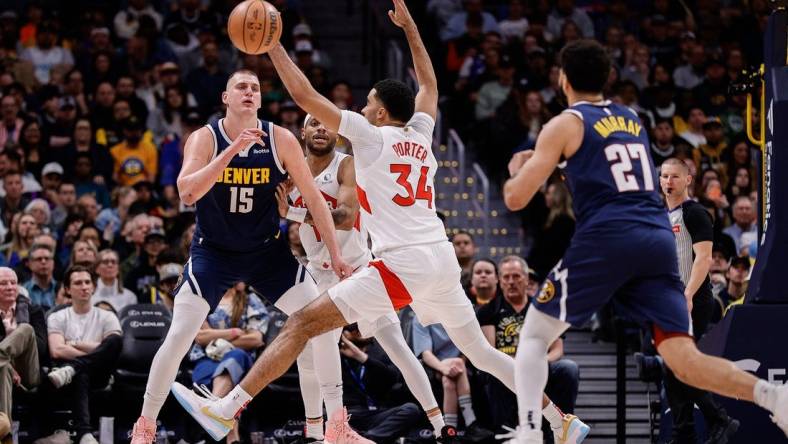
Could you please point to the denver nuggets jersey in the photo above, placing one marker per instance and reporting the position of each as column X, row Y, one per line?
column 240, row 213
column 611, row 176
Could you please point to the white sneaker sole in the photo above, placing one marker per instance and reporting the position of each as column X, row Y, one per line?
column 192, row 404
column 577, row 433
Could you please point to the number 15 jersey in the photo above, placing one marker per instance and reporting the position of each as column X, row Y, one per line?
column 395, row 172
column 611, row 176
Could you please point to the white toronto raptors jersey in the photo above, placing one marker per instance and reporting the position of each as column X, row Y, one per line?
column 395, row 172
column 353, row 242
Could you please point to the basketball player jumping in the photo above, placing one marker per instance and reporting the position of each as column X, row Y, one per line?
column 231, row 170
column 335, row 177
column 415, row 263
column 623, row 246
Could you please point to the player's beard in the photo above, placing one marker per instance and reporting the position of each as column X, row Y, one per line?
column 310, row 146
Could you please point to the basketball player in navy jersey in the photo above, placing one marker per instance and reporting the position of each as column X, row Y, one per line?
column 231, row 170
column 623, row 246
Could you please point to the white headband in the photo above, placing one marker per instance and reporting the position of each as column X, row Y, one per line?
column 306, row 120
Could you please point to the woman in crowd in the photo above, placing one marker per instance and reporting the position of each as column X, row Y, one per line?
column 32, row 144
column 23, row 230
column 557, row 231
column 39, row 209
column 84, row 253
column 168, row 117
column 109, row 286
column 226, row 345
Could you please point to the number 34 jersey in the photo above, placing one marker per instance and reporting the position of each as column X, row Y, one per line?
column 239, row 213
column 395, row 172
column 611, row 176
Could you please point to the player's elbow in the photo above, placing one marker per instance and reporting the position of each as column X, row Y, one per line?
column 511, row 200
column 185, row 193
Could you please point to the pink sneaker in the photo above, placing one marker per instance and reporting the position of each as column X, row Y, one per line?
column 144, row 431
column 338, row 430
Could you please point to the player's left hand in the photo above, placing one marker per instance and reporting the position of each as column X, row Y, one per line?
column 518, row 160
column 281, row 199
column 341, row 268
column 400, row 15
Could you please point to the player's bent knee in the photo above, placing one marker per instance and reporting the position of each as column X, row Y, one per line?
column 681, row 356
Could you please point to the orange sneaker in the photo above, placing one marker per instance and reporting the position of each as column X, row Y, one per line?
column 338, row 430
column 144, row 431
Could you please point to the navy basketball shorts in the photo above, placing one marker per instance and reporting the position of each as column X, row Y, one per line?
column 636, row 267
column 271, row 271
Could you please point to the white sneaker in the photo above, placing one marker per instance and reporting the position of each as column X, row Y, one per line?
column 521, row 436
column 573, row 431
column 199, row 407
column 61, row 376
column 88, row 438
column 780, row 413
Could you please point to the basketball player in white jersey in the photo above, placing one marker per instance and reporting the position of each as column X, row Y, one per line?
column 335, row 177
column 415, row 264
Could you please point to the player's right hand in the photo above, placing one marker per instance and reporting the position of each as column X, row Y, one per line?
column 281, row 199
column 247, row 136
column 341, row 268
column 400, row 15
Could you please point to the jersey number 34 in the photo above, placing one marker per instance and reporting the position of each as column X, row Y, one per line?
column 620, row 158
column 423, row 191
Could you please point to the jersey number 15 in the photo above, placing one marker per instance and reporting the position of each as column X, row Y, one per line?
column 241, row 199
column 620, row 158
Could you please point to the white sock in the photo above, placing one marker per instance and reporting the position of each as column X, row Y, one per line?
column 466, row 406
column 235, row 401
column 530, row 379
column 765, row 395
column 314, row 428
column 451, row 419
column 437, row 423
column 554, row 416
column 328, row 369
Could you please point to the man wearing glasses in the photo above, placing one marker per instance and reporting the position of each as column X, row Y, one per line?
column 42, row 286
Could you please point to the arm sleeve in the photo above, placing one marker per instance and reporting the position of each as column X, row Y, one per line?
column 699, row 223
column 423, row 124
column 366, row 138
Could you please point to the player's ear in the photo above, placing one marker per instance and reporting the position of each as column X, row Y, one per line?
column 224, row 97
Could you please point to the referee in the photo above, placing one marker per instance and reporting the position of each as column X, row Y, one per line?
column 694, row 230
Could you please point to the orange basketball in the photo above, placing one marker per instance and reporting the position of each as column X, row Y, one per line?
column 254, row 26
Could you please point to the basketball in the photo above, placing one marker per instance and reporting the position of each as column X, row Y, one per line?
column 254, row 26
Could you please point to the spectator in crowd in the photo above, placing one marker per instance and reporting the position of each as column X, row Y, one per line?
column 45, row 54
column 39, row 209
column 665, row 143
column 85, row 183
column 23, row 346
column 501, row 321
column 744, row 229
column 455, row 27
column 690, row 74
column 14, row 200
column 144, row 274
column 694, row 133
column 84, row 343
column 552, row 242
column 87, row 208
column 34, row 150
column 737, row 277
column 100, row 156
column 83, row 254
column 172, row 155
column 125, row 89
column 515, row 25
column 484, row 282
column 112, row 218
column 66, row 203
column 42, row 285
column 163, row 293
column 465, row 250
column 739, row 184
column 48, row 240
column 433, row 346
column 168, row 117
column 12, row 161
column 227, row 343
column 51, row 178
column 135, row 159
column 127, row 21
column 713, row 152
column 566, row 12
column 493, row 93
column 368, row 376
column 208, row 81
column 23, row 230
column 109, row 285
column 302, row 32
column 11, row 126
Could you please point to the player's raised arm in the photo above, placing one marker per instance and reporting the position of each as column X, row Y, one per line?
column 199, row 172
column 530, row 169
column 302, row 92
column 292, row 158
column 427, row 97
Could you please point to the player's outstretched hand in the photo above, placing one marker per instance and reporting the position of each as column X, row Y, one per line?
column 281, row 199
column 518, row 160
column 400, row 15
column 342, row 269
column 247, row 136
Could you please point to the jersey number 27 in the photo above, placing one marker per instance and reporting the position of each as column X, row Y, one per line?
column 423, row 191
column 620, row 158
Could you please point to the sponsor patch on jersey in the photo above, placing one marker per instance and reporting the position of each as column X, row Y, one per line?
column 547, row 293
column 677, row 228
column 261, row 151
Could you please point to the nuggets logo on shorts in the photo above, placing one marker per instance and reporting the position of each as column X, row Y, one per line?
column 547, row 293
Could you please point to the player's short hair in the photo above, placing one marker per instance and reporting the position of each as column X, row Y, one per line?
column 586, row 65
column 76, row 269
column 397, row 98
column 678, row 162
column 239, row 72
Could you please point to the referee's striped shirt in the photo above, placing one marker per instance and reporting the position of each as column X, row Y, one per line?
column 691, row 224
